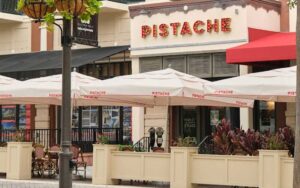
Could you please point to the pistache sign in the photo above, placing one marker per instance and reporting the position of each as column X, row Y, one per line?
column 198, row 27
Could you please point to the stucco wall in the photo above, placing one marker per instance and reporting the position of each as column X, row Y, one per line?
column 113, row 30
column 260, row 18
column 293, row 19
column 15, row 37
column 194, row 43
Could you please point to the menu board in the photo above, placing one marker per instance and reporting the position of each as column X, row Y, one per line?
column 189, row 121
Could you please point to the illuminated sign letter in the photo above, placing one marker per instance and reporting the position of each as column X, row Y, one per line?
column 146, row 30
column 196, row 26
column 186, row 29
column 213, row 26
column 175, row 27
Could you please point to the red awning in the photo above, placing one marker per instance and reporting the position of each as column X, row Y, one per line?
column 264, row 46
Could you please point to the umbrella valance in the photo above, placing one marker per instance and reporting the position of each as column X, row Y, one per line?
column 274, row 85
column 163, row 87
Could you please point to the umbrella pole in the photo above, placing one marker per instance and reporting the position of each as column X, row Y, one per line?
column 65, row 169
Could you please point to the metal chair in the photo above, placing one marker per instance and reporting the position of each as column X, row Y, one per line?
column 53, row 153
column 78, row 160
column 38, row 160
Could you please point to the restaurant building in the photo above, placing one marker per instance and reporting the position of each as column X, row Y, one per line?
column 192, row 37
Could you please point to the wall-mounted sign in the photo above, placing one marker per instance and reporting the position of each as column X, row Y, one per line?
column 186, row 28
column 86, row 33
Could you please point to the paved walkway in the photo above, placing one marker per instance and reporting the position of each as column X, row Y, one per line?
column 78, row 183
column 54, row 184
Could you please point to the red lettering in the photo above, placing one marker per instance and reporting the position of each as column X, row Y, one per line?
column 154, row 30
column 197, row 96
column 213, row 26
column 186, row 29
column 163, row 30
column 199, row 27
column 146, row 30
column 225, row 24
column 160, row 93
column 196, row 26
column 175, row 27
column 97, row 93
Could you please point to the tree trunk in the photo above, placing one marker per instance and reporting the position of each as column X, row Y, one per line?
column 296, row 180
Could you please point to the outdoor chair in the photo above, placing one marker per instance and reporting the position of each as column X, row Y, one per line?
column 53, row 154
column 78, row 160
column 41, row 162
column 38, row 159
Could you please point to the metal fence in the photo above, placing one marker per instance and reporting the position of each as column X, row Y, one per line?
column 9, row 6
column 84, row 137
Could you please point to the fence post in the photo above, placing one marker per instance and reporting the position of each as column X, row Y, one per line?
column 121, row 124
column 94, row 135
column 117, row 136
column 180, row 167
column 102, row 164
column 269, row 168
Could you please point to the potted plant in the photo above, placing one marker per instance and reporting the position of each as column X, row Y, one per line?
column 36, row 9
column 44, row 10
column 126, row 148
column 102, row 139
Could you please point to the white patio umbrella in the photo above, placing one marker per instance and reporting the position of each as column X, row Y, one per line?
column 48, row 90
column 163, row 87
column 6, row 81
column 274, row 85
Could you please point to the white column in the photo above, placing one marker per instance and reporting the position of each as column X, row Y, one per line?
column 42, row 118
column 43, row 42
column 246, row 114
column 137, row 112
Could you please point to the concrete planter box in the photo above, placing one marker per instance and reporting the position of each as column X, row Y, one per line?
column 231, row 170
column 142, row 166
column 270, row 168
column 19, row 159
column 184, row 168
column 3, row 158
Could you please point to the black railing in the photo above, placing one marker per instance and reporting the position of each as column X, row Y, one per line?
column 143, row 145
column 9, row 6
column 84, row 138
column 206, row 146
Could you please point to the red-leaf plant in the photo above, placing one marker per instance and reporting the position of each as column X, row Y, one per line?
column 222, row 138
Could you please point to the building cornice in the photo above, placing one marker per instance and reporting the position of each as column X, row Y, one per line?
column 177, row 6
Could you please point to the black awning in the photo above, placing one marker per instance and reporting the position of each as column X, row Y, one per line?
column 53, row 59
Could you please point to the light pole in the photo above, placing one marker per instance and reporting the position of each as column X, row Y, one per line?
column 65, row 169
column 45, row 11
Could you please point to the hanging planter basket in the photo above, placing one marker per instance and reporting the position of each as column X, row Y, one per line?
column 37, row 9
column 74, row 7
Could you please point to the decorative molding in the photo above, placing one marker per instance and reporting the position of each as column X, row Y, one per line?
column 178, row 6
column 188, row 45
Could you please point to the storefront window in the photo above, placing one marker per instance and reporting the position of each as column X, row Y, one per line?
column 24, row 117
column 89, row 117
column 266, row 120
column 111, row 117
column 9, row 117
column 189, row 123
